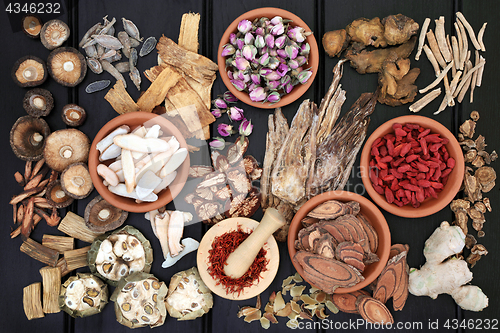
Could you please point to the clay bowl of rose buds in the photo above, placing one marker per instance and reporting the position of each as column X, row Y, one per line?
column 412, row 166
column 268, row 57
column 158, row 174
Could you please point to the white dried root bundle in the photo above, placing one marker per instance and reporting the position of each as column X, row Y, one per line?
column 438, row 276
column 445, row 54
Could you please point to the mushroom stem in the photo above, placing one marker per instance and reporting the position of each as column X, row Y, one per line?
column 36, row 138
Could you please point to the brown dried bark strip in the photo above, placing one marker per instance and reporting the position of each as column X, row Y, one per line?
column 155, row 95
column 39, row 252
column 120, row 100
column 188, row 34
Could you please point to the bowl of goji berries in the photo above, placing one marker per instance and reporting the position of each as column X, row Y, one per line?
column 412, row 166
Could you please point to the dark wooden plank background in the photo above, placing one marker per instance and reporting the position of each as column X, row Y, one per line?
column 156, row 18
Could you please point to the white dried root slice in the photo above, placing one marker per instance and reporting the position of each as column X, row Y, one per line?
column 121, row 189
column 153, row 132
column 175, row 161
column 83, row 295
column 147, row 184
column 159, row 223
column 108, row 140
column 135, row 143
column 421, row 103
column 165, row 182
column 108, row 174
column 188, row 297
column 113, row 151
column 175, row 230
column 189, row 245
column 116, row 165
column 421, row 38
column 128, row 170
column 438, row 79
column 155, row 164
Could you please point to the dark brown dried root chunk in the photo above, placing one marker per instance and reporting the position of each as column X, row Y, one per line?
column 373, row 311
column 308, row 221
column 352, row 254
column 347, row 302
column 404, row 89
column 470, row 241
column 468, row 128
column 477, row 251
column 334, row 42
column 398, row 28
column 367, row 32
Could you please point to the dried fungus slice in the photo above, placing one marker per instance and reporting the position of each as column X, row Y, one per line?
column 372, row 310
column 38, row 102
column 101, row 216
column 56, row 196
column 29, row 71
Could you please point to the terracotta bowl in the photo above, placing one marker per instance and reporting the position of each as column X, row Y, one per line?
column 430, row 205
column 133, row 120
column 369, row 211
column 298, row 90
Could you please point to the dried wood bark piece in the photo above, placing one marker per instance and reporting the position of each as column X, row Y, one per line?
column 61, row 263
column 17, row 231
column 198, row 171
column 327, row 274
column 76, row 258
column 372, row 310
column 248, row 206
column 157, row 91
column 120, row 100
column 213, row 179
column 252, row 167
column 188, row 34
column 352, row 254
column 27, row 224
column 58, row 243
column 32, row 301
column 51, row 279
column 39, row 252
column 74, row 226
column 347, row 302
column 25, row 194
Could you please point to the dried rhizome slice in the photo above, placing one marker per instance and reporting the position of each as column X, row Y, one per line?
column 83, row 295
column 73, row 115
column 101, row 216
column 28, row 136
column 67, row 66
column 347, row 302
column 113, row 256
column 76, row 181
column 373, row 311
column 56, row 196
column 65, row 147
column 32, row 25
column 140, row 301
column 54, row 33
column 29, row 71
column 393, row 281
column 188, row 297
column 38, row 102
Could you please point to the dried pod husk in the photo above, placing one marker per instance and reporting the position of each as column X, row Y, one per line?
column 28, row 137
column 54, row 33
column 102, row 216
column 67, row 66
column 108, row 250
column 97, row 86
column 188, row 297
column 29, row 71
column 56, row 196
column 148, row 46
column 83, row 295
column 73, row 115
column 38, row 102
column 32, row 25
column 76, row 181
column 140, row 301
column 94, row 65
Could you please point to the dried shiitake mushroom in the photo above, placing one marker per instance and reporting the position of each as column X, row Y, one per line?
column 67, row 66
column 188, row 296
column 140, row 301
column 83, row 295
column 29, row 71
column 101, row 216
column 28, row 137
column 113, row 256
column 65, row 147
column 73, row 115
column 76, row 181
column 38, row 102
column 56, row 196
column 32, row 25
column 54, row 33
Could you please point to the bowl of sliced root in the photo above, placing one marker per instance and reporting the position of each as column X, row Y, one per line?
column 139, row 162
column 339, row 242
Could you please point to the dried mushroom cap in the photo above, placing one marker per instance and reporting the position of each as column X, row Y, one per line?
column 56, row 196
column 188, row 297
column 67, row 66
column 32, row 25
column 140, row 301
column 113, row 256
column 29, row 71
column 83, row 295
column 76, row 181
column 54, row 33
column 65, row 147
column 38, row 102
column 101, row 216
column 73, row 115
column 28, row 137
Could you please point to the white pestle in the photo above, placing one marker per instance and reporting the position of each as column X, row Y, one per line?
column 242, row 258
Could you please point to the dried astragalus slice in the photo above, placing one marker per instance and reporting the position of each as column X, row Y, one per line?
column 83, row 295
column 140, row 301
column 188, row 297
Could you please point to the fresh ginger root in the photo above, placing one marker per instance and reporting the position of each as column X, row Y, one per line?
column 448, row 277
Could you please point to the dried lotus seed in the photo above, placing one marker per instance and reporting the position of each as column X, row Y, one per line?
column 129, row 286
column 92, row 292
column 107, row 267
column 146, row 285
column 135, row 321
column 88, row 301
column 155, row 298
column 106, row 246
column 144, row 318
column 135, row 293
column 124, row 246
column 126, row 307
column 123, row 271
column 132, row 241
column 186, row 280
column 127, row 257
column 70, row 303
column 148, row 309
column 156, row 285
column 193, row 305
column 180, row 286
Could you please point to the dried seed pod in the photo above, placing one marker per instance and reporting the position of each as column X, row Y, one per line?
column 83, row 295
column 67, row 66
column 131, row 29
column 38, row 102
column 94, row 65
column 29, row 71
column 73, row 115
column 97, row 86
column 54, row 33
column 148, row 46
column 28, row 138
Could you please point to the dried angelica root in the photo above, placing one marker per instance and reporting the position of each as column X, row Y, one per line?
column 437, row 277
column 421, row 39
column 421, row 103
column 470, row 30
